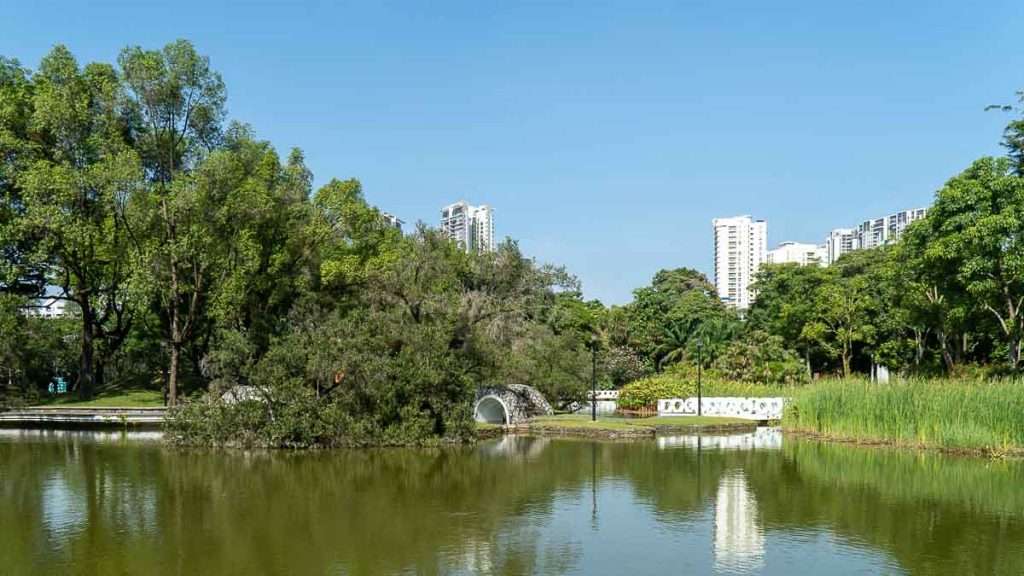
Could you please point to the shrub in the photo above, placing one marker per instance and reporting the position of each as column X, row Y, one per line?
column 646, row 392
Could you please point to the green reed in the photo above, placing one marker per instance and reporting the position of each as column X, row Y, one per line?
column 946, row 413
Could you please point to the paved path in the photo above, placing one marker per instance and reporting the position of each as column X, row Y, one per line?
column 61, row 417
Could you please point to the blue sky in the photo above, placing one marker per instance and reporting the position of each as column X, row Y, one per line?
column 606, row 135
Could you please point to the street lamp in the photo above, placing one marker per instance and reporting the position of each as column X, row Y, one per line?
column 700, row 367
column 593, row 378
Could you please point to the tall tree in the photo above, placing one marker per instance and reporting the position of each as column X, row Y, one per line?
column 785, row 305
column 73, row 194
column 841, row 318
column 977, row 232
column 679, row 297
column 178, row 103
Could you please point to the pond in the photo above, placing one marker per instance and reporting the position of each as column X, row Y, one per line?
column 91, row 503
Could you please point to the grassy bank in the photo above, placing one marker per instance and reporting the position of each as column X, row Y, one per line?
column 614, row 427
column 110, row 398
column 946, row 414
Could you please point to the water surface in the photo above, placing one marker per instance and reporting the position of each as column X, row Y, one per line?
column 87, row 503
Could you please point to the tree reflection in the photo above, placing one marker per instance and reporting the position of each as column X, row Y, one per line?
column 100, row 507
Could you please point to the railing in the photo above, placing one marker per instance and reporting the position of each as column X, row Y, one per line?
column 731, row 407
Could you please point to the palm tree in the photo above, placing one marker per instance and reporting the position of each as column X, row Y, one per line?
column 673, row 348
column 716, row 333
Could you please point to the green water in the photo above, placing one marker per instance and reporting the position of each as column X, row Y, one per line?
column 84, row 503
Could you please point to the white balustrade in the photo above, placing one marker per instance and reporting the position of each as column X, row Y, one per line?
column 730, row 406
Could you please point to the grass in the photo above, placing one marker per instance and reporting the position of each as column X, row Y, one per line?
column 580, row 421
column 951, row 414
column 690, row 421
column 110, row 397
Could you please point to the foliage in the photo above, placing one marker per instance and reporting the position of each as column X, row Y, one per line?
column 759, row 357
column 622, row 365
column 645, row 393
column 664, row 315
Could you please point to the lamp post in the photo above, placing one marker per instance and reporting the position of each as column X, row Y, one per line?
column 700, row 367
column 593, row 378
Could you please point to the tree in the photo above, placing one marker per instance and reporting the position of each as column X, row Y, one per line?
column 177, row 102
column 73, row 189
column 761, row 358
column 674, row 344
column 679, row 297
column 784, row 305
column 841, row 319
column 18, row 273
column 977, row 233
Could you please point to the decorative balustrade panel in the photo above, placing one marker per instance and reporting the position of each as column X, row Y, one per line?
column 731, row 407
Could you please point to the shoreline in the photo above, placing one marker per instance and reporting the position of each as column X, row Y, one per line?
column 638, row 431
column 986, row 452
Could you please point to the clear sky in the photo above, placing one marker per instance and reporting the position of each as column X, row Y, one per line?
column 606, row 135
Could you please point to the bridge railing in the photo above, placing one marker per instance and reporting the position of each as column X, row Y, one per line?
column 731, row 407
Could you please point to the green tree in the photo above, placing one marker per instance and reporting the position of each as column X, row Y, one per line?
column 679, row 297
column 73, row 189
column 784, row 306
column 177, row 102
column 841, row 319
column 976, row 229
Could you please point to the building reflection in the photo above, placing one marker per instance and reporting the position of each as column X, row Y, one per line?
column 739, row 539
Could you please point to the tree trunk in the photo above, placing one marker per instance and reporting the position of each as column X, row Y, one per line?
column 172, row 374
column 85, row 375
column 175, row 309
column 947, row 357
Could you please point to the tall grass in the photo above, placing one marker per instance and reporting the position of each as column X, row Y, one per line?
column 943, row 413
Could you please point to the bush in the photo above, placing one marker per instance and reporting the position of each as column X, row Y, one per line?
column 645, row 393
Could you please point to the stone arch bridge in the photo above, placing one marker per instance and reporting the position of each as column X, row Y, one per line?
column 510, row 404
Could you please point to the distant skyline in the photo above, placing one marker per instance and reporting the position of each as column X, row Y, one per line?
column 606, row 135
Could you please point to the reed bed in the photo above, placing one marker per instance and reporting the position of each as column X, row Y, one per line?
column 968, row 414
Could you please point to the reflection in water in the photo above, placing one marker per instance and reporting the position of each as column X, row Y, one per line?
column 739, row 540
column 527, row 447
column 64, row 509
column 83, row 504
column 763, row 438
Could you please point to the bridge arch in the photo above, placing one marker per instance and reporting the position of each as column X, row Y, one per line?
column 509, row 405
column 492, row 410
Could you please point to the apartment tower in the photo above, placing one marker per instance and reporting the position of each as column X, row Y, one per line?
column 471, row 226
column 741, row 246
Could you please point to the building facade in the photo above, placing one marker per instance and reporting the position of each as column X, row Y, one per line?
column 471, row 226
column 741, row 246
column 48, row 307
column 870, row 233
column 798, row 253
column 840, row 241
column 392, row 220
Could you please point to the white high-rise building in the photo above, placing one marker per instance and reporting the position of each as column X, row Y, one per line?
column 741, row 246
column 881, row 231
column 471, row 226
column 839, row 242
column 392, row 220
column 799, row 253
